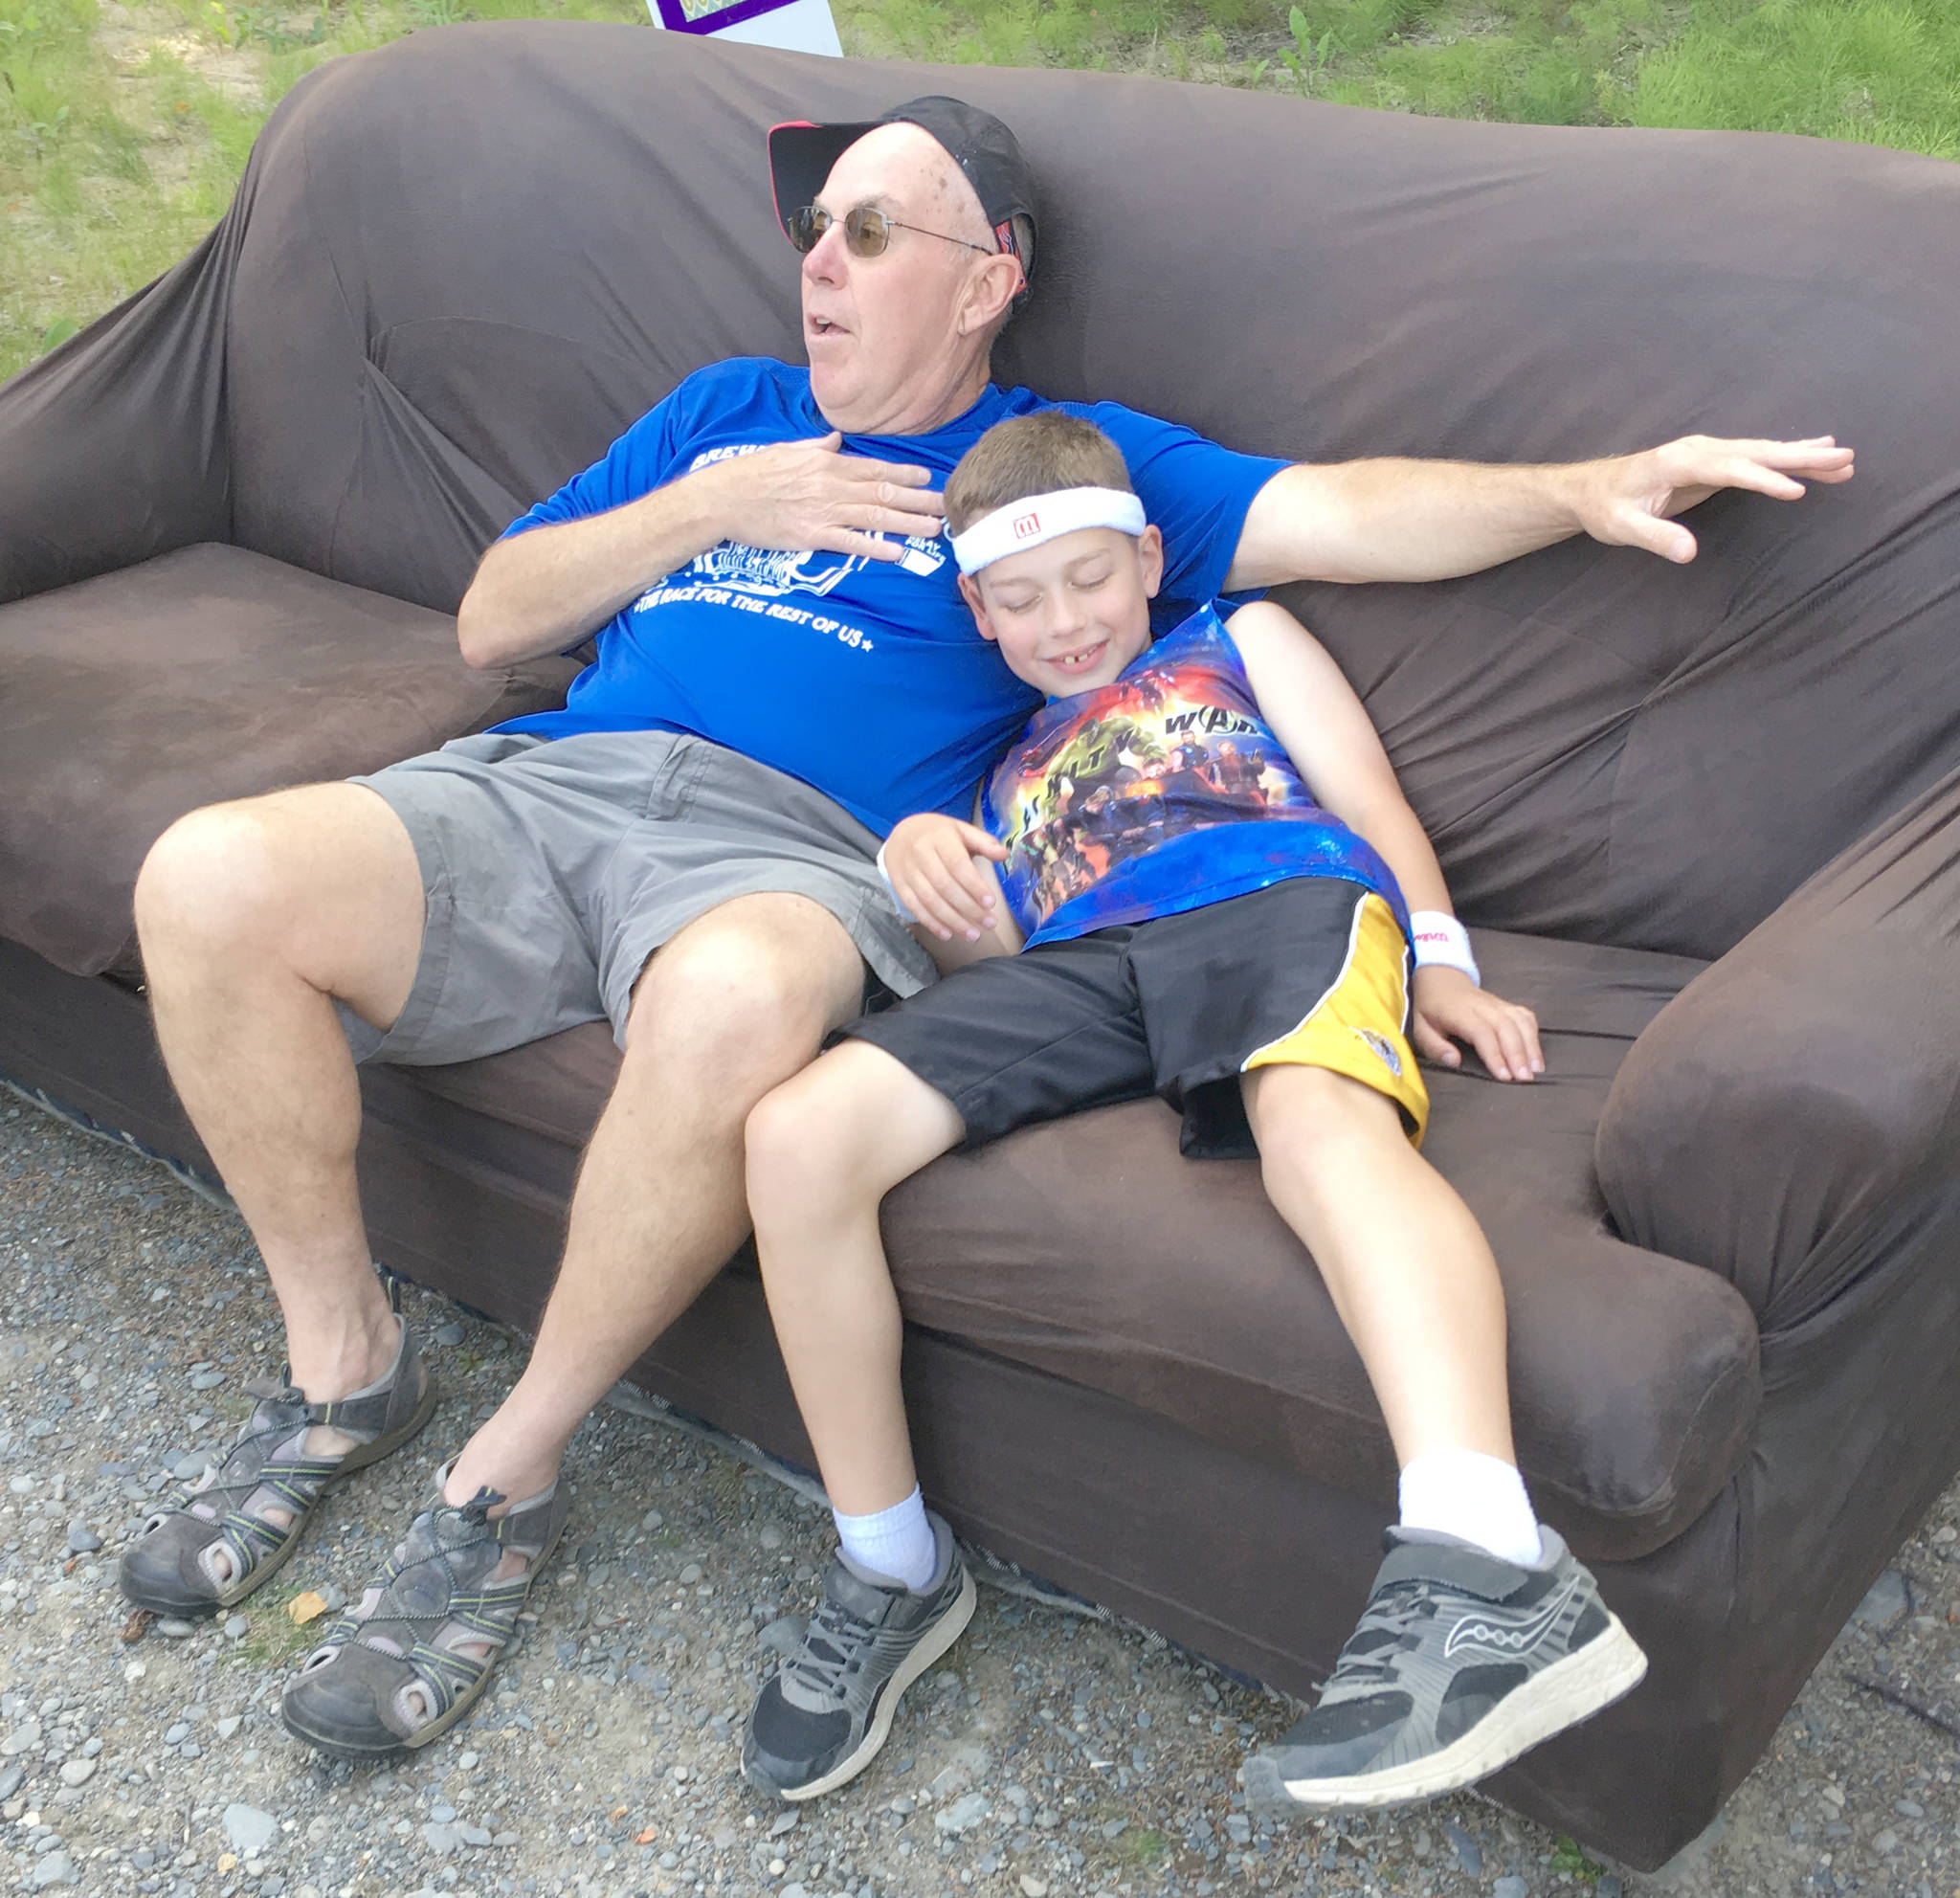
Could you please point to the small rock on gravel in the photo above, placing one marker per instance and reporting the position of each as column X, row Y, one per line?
column 1887, row 1600
column 1469, row 1854
column 11, row 1780
column 55, row 1868
column 1511, row 1886
column 78, row 1772
column 82, row 1540
column 249, row 1829
column 1031, row 1886
column 171, row 1628
column 237, row 1627
column 963, row 1814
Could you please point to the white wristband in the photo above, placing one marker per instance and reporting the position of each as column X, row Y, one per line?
column 897, row 902
column 1440, row 938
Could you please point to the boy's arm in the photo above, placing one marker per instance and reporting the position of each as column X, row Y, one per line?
column 941, row 874
column 1320, row 721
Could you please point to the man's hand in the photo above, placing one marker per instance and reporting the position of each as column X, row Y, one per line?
column 1632, row 500
column 1451, row 1008
column 936, row 866
column 809, row 494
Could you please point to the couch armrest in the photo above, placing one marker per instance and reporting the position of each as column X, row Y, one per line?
column 112, row 447
column 1788, row 1116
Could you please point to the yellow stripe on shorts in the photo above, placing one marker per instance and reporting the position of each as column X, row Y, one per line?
column 1356, row 1027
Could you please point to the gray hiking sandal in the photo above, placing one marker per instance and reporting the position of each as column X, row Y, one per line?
column 403, row 1663
column 1461, row 1662
column 822, row 1717
column 211, row 1542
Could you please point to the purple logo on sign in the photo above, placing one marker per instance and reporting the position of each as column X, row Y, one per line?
column 711, row 16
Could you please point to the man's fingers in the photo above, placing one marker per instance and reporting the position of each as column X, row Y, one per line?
column 1528, row 1029
column 1635, row 526
column 901, row 474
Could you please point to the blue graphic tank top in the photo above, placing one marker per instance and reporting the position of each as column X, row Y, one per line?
column 1161, row 792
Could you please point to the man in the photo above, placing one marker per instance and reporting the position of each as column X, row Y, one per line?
column 784, row 668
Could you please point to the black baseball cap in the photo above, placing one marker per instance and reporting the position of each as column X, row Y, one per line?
column 801, row 155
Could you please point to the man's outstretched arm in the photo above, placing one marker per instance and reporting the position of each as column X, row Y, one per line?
column 1402, row 519
column 547, row 588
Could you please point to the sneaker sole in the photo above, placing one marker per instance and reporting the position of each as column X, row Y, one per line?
column 1606, row 1669
column 940, row 1637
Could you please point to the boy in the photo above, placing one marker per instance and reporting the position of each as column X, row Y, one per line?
column 1248, row 960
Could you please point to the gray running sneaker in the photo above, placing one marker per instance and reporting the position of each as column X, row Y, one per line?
column 822, row 1717
column 1460, row 1664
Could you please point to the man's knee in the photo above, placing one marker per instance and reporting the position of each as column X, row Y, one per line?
column 746, row 994
column 214, row 875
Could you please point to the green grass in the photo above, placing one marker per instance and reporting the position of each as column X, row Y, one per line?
column 123, row 134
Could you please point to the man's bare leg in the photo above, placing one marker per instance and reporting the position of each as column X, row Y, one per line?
column 737, row 1002
column 252, row 917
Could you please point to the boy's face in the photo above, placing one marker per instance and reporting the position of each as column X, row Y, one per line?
column 1069, row 614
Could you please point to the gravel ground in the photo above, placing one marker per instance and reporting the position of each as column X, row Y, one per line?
column 1056, row 1755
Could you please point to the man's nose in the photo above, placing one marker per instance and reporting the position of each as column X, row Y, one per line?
column 824, row 260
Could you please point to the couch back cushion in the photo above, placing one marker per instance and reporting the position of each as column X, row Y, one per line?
column 473, row 257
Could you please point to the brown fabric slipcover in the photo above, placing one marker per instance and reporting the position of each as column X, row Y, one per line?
column 204, row 673
column 460, row 265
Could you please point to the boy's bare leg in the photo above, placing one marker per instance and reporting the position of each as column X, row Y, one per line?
column 1405, row 1263
column 823, row 1151
column 1478, row 1642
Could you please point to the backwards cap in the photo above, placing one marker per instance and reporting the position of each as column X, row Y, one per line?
column 989, row 155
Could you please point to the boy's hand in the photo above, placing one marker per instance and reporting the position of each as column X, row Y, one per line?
column 1451, row 1008
column 936, row 866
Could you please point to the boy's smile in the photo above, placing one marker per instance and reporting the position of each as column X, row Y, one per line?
column 1072, row 613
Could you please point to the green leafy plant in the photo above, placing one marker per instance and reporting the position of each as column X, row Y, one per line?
column 1568, row 1856
column 58, row 333
column 1307, row 59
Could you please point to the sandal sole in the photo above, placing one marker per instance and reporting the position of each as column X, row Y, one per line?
column 436, row 1728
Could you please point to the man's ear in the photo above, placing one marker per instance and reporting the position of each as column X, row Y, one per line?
column 994, row 284
column 969, row 592
column 1151, row 559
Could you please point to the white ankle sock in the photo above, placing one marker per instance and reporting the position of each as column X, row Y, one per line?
column 1474, row 1498
column 897, row 1542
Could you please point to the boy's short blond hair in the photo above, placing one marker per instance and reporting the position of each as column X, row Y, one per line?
column 1039, row 454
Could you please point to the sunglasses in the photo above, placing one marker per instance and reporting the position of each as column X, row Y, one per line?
column 866, row 232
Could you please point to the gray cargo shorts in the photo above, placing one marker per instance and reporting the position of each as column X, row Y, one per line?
column 553, row 868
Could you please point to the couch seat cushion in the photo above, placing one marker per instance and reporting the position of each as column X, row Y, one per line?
column 206, row 674
column 1090, row 1249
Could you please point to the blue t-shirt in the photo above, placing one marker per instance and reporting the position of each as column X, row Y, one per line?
column 864, row 678
column 1164, row 791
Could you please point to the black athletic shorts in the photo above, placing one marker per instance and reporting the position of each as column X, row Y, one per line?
column 1312, row 971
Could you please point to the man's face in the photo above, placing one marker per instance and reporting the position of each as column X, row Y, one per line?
column 883, row 333
column 1070, row 613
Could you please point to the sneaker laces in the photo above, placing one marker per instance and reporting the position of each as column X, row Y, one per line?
column 829, row 1650
column 279, row 1415
column 1373, row 1657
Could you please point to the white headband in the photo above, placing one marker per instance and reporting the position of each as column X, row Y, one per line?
column 1044, row 516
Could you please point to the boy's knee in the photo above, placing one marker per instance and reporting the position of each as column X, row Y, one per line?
column 802, row 1152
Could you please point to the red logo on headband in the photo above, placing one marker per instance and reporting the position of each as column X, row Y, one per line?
column 1026, row 524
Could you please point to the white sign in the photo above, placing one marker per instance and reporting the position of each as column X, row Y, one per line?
column 802, row 26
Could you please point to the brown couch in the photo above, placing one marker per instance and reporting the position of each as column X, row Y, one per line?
column 1705, row 817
